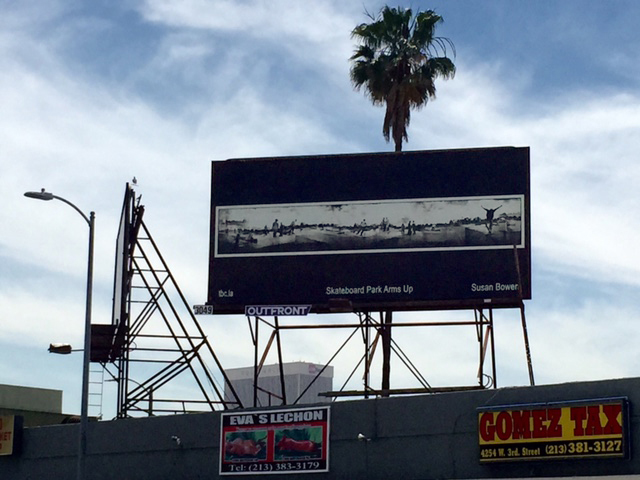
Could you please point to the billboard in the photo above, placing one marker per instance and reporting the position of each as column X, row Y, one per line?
column 575, row 430
column 125, row 244
column 400, row 231
column 275, row 441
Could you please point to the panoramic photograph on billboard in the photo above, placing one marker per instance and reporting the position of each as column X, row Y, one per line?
column 396, row 231
column 402, row 225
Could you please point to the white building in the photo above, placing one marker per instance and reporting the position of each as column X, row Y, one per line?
column 298, row 377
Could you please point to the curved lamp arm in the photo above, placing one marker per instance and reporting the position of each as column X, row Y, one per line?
column 42, row 195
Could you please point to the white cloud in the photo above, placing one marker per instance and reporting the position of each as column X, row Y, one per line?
column 257, row 18
column 41, row 320
column 593, row 342
column 303, row 30
column 583, row 166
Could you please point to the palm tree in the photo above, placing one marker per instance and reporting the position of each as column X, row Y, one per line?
column 397, row 62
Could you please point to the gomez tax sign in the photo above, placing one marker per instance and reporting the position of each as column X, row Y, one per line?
column 575, row 430
column 387, row 230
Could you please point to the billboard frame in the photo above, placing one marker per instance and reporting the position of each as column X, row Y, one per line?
column 154, row 332
column 380, row 331
column 244, row 248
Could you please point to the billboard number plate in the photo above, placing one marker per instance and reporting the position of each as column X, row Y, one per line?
column 203, row 310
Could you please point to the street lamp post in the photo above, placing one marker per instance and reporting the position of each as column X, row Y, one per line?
column 84, row 412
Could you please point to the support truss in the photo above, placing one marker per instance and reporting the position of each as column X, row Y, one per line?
column 160, row 354
column 375, row 331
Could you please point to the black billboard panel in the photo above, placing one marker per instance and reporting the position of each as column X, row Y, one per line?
column 395, row 231
column 130, row 219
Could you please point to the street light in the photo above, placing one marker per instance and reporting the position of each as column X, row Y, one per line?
column 61, row 348
column 84, row 412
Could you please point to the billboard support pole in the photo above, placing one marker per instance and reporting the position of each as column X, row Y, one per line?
column 283, row 389
column 494, row 371
column 532, row 381
column 485, row 338
column 366, row 324
column 386, row 319
column 523, row 319
column 483, row 350
column 255, row 364
column 367, row 353
column 372, row 349
column 258, row 364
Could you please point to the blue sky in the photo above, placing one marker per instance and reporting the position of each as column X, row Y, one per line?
column 94, row 93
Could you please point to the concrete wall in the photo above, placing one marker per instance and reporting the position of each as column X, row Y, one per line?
column 419, row 437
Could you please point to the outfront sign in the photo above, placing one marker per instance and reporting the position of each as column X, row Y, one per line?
column 584, row 429
column 275, row 441
column 277, row 310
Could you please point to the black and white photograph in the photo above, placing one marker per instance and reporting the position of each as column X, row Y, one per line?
column 370, row 226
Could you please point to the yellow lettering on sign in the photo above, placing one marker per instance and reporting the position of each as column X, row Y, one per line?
column 595, row 421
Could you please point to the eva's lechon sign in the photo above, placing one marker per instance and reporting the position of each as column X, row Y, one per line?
column 275, row 441
column 584, row 429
